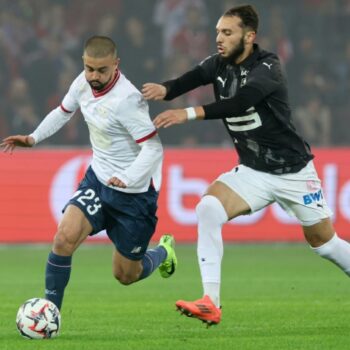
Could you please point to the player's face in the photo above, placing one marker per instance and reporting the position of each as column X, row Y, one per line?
column 232, row 41
column 100, row 71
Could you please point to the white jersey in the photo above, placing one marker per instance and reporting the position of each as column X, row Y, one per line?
column 119, row 126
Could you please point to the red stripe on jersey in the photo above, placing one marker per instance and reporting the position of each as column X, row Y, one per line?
column 147, row 137
column 65, row 110
column 109, row 86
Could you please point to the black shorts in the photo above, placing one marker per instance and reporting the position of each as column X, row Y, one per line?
column 128, row 218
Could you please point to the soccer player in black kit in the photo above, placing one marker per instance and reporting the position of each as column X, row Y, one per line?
column 275, row 163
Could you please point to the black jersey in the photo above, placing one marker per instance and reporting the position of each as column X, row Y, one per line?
column 252, row 100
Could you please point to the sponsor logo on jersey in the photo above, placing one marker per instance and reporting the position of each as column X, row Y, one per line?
column 222, row 81
column 312, row 197
column 267, row 65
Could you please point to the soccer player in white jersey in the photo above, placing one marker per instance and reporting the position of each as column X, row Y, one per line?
column 120, row 189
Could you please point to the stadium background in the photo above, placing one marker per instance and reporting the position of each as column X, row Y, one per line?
column 40, row 54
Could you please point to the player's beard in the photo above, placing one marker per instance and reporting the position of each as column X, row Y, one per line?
column 237, row 51
column 100, row 86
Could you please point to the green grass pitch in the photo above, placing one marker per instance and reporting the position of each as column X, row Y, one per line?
column 278, row 296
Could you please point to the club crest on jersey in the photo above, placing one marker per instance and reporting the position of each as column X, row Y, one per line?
column 244, row 74
column 102, row 111
column 312, row 197
column 83, row 88
column 312, row 185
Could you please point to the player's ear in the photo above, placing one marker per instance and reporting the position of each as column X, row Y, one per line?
column 249, row 37
column 117, row 61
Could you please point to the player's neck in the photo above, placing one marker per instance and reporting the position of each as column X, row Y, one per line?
column 109, row 85
column 246, row 53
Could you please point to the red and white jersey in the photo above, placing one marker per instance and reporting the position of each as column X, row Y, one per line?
column 119, row 122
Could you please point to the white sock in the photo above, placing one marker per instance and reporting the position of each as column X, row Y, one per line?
column 336, row 250
column 211, row 216
column 213, row 290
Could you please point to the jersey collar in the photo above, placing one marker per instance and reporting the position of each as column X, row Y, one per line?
column 252, row 57
column 108, row 87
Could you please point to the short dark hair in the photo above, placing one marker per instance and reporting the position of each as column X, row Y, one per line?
column 247, row 14
column 100, row 46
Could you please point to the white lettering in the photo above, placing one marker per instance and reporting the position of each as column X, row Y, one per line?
column 252, row 121
column 344, row 201
column 178, row 187
column 329, row 186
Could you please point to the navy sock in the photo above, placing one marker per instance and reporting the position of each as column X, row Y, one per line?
column 151, row 260
column 57, row 276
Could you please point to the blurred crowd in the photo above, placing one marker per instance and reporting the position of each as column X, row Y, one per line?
column 41, row 43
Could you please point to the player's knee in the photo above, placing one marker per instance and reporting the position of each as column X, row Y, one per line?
column 316, row 240
column 210, row 209
column 319, row 232
column 125, row 278
column 64, row 242
column 204, row 207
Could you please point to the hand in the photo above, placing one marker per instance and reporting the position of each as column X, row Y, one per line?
column 152, row 91
column 114, row 181
column 11, row 142
column 170, row 117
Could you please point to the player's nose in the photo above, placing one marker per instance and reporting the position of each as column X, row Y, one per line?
column 95, row 75
column 219, row 39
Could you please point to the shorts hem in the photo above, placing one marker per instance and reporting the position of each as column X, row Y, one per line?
column 94, row 232
column 252, row 210
column 129, row 256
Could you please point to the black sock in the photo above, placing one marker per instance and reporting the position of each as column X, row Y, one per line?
column 151, row 260
column 57, row 276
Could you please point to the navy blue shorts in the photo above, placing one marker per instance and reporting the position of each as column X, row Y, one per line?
column 128, row 218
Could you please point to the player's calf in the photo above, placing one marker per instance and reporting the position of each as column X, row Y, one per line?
column 336, row 250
